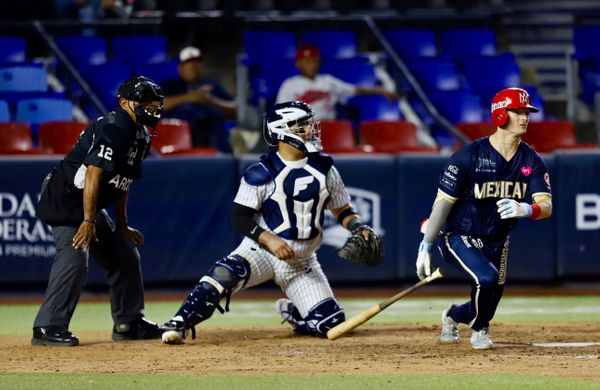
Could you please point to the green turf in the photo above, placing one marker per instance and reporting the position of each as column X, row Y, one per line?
column 249, row 382
column 96, row 316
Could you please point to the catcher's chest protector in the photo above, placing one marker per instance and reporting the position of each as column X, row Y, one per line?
column 295, row 210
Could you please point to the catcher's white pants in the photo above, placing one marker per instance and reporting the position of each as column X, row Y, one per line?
column 302, row 280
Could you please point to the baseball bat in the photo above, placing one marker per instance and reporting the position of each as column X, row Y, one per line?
column 366, row 315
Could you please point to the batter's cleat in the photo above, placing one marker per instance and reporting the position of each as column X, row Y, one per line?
column 57, row 336
column 140, row 329
column 288, row 311
column 450, row 331
column 174, row 332
column 480, row 339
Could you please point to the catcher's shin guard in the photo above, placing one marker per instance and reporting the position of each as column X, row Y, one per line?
column 322, row 317
column 226, row 276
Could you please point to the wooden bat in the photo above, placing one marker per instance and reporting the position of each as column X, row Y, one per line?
column 366, row 315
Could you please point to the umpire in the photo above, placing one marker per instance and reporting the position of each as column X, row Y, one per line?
column 96, row 173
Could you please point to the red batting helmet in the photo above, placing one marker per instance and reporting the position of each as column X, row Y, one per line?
column 506, row 99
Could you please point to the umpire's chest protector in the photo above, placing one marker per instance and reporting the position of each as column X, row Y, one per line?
column 295, row 209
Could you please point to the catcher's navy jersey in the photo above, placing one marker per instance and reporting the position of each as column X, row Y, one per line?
column 295, row 209
column 478, row 176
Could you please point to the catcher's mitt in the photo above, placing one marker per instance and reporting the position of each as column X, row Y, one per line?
column 361, row 251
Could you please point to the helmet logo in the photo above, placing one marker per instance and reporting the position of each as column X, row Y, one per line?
column 502, row 104
column 524, row 98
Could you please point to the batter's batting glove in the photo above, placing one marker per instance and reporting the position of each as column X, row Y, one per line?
column 510, row 208
column 424, row 260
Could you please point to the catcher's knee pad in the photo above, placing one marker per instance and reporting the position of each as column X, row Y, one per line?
column 322, row 317
column 231, row 273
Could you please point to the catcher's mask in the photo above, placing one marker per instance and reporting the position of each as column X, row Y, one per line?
column 145, row 93
column 293, row 123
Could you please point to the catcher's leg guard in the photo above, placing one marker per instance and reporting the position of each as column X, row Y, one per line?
column 227, row 275
column 322, row 317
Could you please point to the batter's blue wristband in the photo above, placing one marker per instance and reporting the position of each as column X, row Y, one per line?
column 89, row 221
column 425, row 246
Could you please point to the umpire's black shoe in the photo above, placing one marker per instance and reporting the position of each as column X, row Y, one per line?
column 57, row 336
column 140, row 329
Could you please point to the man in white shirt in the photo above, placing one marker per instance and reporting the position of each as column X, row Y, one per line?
column 321, row 91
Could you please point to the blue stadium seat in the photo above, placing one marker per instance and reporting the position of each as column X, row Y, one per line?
column 83, row 50
column 435, row 74
column 332, row 43
column 413, row 43
column 12, row 49
column 23, row 78
column 586, row 52
column 459, row 106
column 134, row 50
column 265, row 46
column 461, row 44
column 36, row 111
column 158, row 72
column 268, row 80
column 353, row 71
column 105, row 79
column 375, row 107
column 488, row 75
column 4, row 112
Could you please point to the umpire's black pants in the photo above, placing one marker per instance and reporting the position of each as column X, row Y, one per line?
column 114, row 253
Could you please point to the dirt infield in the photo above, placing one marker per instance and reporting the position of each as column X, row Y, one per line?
column 373, row 349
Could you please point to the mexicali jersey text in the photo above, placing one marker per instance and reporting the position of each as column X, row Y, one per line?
column 478, row 176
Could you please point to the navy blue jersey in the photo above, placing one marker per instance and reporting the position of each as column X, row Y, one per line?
column 478, row 176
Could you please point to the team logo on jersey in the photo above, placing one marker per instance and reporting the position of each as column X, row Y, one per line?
column 500, row 189
column 547, row 180
column 368, row 206
column 526, row 170
column 485, row 165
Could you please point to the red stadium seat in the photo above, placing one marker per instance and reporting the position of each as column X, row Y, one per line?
column 174, row 137
column 337, row 136
column 392, row 137
column 60, row 136
column 547, row 136
column 476, row 130
column 15, row 138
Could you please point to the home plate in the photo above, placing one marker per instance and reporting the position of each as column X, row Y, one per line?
column 564, row 345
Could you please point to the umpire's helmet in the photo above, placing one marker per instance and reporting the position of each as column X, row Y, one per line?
column 279, row 121
column 140, row 89
column 505, row 100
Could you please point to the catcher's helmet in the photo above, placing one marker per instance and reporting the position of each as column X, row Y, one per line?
column 509, row 98
column 279, row 121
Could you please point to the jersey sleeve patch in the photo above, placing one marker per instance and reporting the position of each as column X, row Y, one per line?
column 257, row 174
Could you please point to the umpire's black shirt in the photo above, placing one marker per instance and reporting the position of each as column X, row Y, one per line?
column 114, row 143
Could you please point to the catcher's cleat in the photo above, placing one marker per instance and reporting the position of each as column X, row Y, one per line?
column 140, row 329
column 174, row 332
column 480, row 339
column 450, row 331
column 288, row 312
column 57, row 336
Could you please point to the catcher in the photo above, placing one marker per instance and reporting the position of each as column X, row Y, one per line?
column 279, row 208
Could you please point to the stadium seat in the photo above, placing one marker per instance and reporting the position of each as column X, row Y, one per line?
column 174, row 138
column 548, row 136
column 105, row 80
column 392, row 137
column 266, row 46
column 4, row 112
column 83, row 49
column 353, row 71
column 413, row 43
column 436, row 74
column 586, row 53
column 476, row 130
column 15, row 138
column 36, row 111
column 375, row 107
column 135, row 50
column 266, row 82
column 12, row 49
column 461, row 44
column 332, row 43
column 488, row 75
column 459, row 106
column 337, row 136
column 59, row 137
column 23, row 78
column 158, row 72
